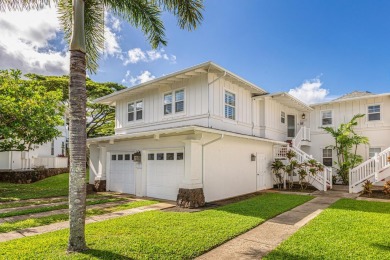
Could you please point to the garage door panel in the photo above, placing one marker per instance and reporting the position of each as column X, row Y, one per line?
column 122, row 177
column 164, row 176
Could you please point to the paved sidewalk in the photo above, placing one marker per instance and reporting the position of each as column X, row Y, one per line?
column 261, row 240
column 63, row 225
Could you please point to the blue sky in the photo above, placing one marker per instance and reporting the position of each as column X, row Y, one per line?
column 331, row 47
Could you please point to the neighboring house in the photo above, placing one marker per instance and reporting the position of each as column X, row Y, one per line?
column 48, row 155
column 375, row 125
column 201, row 128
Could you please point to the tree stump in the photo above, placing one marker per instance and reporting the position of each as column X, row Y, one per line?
column 190, row 198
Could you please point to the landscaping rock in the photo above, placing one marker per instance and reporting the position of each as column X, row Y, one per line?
column 190, row 198
column 100, row 185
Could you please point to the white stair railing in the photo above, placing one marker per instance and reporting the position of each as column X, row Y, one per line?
column 322, row 180
column 368, row 170
column 302, row 135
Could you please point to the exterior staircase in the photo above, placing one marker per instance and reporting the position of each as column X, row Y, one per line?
column 322, row 180
column 375, row 169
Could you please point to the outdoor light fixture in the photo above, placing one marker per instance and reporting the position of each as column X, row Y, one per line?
column 303, row 116
column 253, row 157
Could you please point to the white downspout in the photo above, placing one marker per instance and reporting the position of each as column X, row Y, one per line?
column 208, row 93
column 203, row 146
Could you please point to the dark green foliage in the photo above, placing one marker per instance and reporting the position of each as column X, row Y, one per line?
column 29, row 113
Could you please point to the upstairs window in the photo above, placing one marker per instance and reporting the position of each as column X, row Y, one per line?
column 373, row 150
column 135, row 111
column 230, row 105
column 327, row 158
column 282, row 117
column 374, row 113
column 326, row 117
column 176, row 99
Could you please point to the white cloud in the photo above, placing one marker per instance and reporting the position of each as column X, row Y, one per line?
column 111, row 45
column 31, row 41
column 25, row 42
column 310, row 91
column 137, row 55
column 143, row 77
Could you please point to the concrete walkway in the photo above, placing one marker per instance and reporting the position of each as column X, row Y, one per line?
column 63, row 225
column 261, row 240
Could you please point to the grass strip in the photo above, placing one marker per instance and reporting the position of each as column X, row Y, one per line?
column 157, row 234
column 348, row 229
column 35, row 222
column 56, row 207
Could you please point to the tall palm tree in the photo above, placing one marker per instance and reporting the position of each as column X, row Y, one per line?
column 83, row 24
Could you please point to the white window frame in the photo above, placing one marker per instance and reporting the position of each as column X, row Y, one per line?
column 380, row 113
column 327, row 157
column 282, row 117
column 173, row 93
column 135, row 111
column 374, row 147
column 225, row 104
column 332, row 117
column 52, row 148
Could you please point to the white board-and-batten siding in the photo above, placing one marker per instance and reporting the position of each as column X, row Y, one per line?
column 378, row 132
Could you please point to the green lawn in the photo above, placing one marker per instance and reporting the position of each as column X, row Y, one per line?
column 51, row 187
column 157, row 234
column 35, row 222
column 349, row 229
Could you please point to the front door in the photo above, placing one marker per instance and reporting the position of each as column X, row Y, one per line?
column 261, row 166
column 291, row 126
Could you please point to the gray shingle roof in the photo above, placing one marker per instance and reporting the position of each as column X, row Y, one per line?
column 355, row 94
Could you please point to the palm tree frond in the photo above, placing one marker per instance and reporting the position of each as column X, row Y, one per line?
column 20, row 5
column 94, row 28
column 143, row 14
column 188, row 12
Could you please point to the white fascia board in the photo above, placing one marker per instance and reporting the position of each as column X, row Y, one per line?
column 350, row 99
column 110, row 99
column 178, row 130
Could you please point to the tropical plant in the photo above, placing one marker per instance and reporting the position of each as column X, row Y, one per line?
column 277, row 168
column 346, row 144
column 29, row 114
column 386, row 188
column 367, row 187
column 302, row 173
column 83, row 24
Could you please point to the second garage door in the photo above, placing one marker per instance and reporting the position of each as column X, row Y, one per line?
column 165, row 172
column 122, row 177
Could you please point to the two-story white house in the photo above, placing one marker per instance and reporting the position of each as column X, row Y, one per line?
column 200, row 128
column 206, row 129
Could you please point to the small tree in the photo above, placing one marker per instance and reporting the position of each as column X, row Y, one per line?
column 29, row 114
column 346, row 144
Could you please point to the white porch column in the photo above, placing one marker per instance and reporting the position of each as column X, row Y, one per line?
column 102, row 163
column 192, row 165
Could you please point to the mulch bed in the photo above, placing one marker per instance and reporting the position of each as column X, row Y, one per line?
column 296, row 188
column 376, row 194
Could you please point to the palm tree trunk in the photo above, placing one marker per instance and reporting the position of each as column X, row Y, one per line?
column 77, row 147
column 77, row 131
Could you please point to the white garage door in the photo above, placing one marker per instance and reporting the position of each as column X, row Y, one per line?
column 165, row 172
column 122, row 177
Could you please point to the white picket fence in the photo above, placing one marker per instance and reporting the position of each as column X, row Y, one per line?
column 46, row 162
